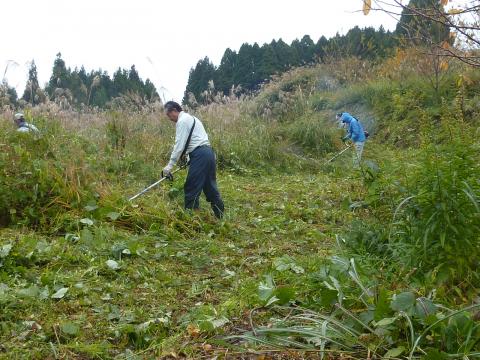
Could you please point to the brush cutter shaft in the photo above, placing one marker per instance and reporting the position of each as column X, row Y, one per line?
column 340, row 153
column 154, row 184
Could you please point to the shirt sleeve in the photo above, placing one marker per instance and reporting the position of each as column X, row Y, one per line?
column 181, row 136
column 349, row 131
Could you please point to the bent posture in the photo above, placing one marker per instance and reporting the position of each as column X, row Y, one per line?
column 22, row 124
column 192, row 140
column 356, row 134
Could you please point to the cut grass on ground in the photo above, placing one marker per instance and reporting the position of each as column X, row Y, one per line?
column 177, row 284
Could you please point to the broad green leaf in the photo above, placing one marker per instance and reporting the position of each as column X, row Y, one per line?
column 60, row 293
column 86, row 221
column 5, row 250
column 297, row 269
column 90, row 208
column 403, row 301
column 114, row 313
column 284, row 294
column 43, row 247
column 70, row 328
column 271, row 301
column 392, row 353
column 328, row 297
column 113, row 215
column 434, row 354
column 86, row 235
column 30, row 292
column 424, row 308
column 212, row 323
column 265, row 289
column 282, row 264
column 337, row 287
column 287, row 263
column 72, row 237
column 386, row 321
column 217, row 323
column 112, row 264
column 44, row 293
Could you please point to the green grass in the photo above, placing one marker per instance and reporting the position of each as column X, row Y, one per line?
column 85, row 274
column 183, row 269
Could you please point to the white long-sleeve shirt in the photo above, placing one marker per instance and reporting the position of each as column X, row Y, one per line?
column 182, row 130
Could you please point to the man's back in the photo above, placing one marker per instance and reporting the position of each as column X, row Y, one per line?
column 199, row 135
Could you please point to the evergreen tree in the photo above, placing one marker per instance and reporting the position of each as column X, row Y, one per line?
column 257, row 59
column 307, row 49
column 78, row 87
column 421, row 30
column 60, row 76
column 150, row 91
column 253, row 64
column 199, row 78
column 321, row 49
column 269, row 63
column 284, row 54
column 135, row 85
column 97, row 88
column 244, row 74
column 30, row 94
column 226, row 71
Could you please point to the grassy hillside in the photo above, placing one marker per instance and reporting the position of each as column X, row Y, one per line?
column 311, row 259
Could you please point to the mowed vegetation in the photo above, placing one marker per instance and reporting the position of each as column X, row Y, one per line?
column 313, row 260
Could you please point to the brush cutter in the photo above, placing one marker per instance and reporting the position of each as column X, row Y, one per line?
column 156, row 183
column 336, row 156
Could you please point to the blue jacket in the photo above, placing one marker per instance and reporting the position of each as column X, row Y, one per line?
column 355, row 129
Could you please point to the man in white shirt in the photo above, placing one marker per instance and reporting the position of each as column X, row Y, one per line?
column 22, row 124
column 192, row 140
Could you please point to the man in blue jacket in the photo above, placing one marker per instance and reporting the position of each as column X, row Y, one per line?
column 356, row 134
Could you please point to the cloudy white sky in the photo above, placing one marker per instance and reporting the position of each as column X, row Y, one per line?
column 163, row 39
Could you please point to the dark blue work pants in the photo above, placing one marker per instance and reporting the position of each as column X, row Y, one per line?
column 202, row 176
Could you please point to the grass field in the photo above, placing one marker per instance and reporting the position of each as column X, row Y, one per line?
column 180, row 274
column 311, row 260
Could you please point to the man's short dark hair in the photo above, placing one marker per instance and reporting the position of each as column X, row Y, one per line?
column 172, row 105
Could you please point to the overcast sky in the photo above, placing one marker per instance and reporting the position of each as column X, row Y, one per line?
column 163, row 39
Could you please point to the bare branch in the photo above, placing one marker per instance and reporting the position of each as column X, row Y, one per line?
column 465, row 21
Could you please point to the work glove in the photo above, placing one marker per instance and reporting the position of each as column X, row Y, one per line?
column 167, row 172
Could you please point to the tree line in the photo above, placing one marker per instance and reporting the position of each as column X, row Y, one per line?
column 247, row 69
column 252, row 65
column 242, row 71
column 78, row 87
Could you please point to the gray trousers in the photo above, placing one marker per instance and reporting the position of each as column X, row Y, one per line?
column 357, row 153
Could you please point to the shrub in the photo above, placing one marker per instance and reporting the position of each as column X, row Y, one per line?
column 312, row 133
column 440, row 219
column 35, row 183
